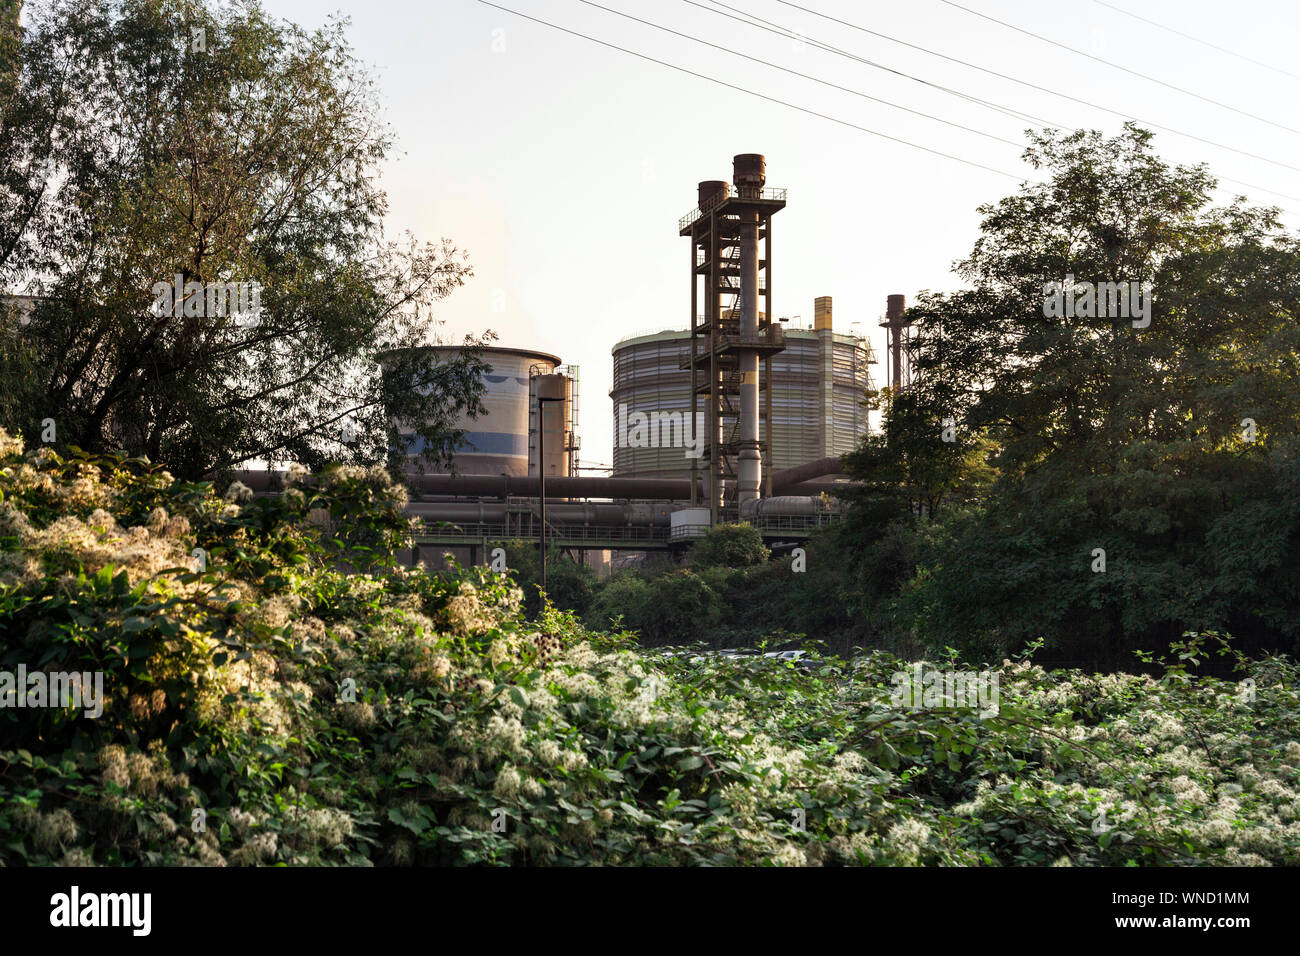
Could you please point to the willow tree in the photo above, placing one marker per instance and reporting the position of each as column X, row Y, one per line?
column 174, row 144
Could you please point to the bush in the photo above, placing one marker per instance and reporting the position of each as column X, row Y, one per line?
column 396, row 716
column 729, row 546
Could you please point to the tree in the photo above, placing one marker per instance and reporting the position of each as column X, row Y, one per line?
column 156, row 145
column 917, row 461
column 9, row 41
column 1151, row 441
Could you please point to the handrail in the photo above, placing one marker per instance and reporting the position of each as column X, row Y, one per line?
column 722, row 196
column 637, row 335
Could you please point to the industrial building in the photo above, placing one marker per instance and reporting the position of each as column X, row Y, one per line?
column 817, row 385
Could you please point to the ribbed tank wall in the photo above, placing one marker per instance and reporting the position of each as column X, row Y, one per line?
column 647, row 379
column 796, row 403
column 851, row 379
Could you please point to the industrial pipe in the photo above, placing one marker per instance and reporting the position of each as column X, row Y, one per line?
column 782, row 481
column 605, row 515
column 523, row 486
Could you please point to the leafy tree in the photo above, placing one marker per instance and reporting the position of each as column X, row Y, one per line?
column 918, row 461
column 9, row 43
column 1112, row 435
column 130, row 154
column 675, row 607
column 729, row 546
column 627, row 595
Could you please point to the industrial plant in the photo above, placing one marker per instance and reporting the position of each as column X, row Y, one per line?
column 731, row 417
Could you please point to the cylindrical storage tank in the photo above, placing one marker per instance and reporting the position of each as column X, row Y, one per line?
column 688, row 523
column 549, row 418
column 647, row 380
column 496, row 442
column 653, row 434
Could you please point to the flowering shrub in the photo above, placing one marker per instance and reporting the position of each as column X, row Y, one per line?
column 264, row 706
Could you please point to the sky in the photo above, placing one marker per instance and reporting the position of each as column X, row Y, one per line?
column 562, row 166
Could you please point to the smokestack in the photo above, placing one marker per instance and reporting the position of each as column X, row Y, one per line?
column 711, row 189
column 749, row 174
column 895, row 305
column 826, row 370
column 822, row 313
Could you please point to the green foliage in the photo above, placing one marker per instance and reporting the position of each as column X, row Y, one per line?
column 665, row 608
column 126, row 159
column 570, row 585
column 729, row 546
column 1077, row 433
column 398, row 716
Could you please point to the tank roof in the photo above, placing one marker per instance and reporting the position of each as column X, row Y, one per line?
column 490, row 349
column 672, row 335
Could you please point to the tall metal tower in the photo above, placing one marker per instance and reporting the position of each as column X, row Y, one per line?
column 898, row 334
column 726, row 230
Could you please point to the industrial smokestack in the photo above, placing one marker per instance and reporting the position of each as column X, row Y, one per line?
column 710, row 190
column 823, row 326
column 895, row 306
column 749, row 173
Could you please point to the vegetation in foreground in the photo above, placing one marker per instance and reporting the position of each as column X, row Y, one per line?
column 478, row 735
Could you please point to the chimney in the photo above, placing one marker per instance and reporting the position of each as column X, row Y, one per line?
column 822, row 313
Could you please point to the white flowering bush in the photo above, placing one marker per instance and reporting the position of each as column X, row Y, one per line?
column 269, row 704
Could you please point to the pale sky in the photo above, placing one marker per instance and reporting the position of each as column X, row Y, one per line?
column 563, row 166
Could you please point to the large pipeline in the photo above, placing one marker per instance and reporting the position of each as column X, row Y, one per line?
column 605, row 515
column 783, row 481
column 815, row 488
column 520, row 486
column 797, row 481
column 529, row 486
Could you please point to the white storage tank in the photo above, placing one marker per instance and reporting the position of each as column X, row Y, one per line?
column 497, row 442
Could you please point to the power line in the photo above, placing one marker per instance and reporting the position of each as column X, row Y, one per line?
column 1030, row 85
column 748, row 18
column 1026, row 83
column 788, row 33
column 1188, row 36
column 1120, row 66
column 834, row 86
column 762, row 96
